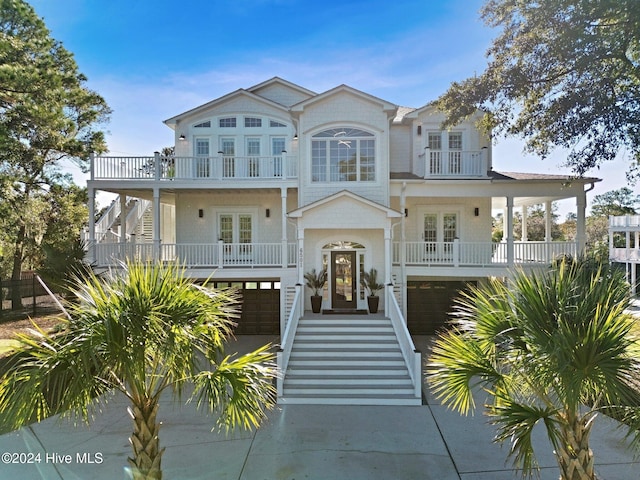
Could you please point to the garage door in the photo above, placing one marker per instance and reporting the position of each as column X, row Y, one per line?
column 429, row 304
column 260, row 313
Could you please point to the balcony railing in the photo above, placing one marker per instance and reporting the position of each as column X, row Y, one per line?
column 623, row 255
column 625, row 221
column 273, row 167
column 481, row 254
column 215, row 255
column 453, row 163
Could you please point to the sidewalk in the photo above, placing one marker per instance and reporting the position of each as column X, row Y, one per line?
column 301, row 442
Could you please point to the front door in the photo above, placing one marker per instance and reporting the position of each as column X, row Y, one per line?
column 343, row 283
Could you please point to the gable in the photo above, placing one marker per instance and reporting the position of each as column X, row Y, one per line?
column 282, row 92
column 346, row 211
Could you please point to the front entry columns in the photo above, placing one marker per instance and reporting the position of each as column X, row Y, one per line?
column 525, row 234
column 301, row 256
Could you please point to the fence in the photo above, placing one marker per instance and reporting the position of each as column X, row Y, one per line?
column 27, row 296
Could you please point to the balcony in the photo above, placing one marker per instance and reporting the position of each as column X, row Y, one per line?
column 220, row 168
column 480, row 254
column 214, row 255
column 452, row 163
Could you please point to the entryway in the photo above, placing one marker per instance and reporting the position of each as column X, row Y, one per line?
column 343, row 280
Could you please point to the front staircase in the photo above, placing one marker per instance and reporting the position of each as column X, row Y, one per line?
column 344, row 360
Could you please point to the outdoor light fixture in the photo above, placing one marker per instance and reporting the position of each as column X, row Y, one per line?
column 268, row 213
column 182, row 137
column 406, row 212
column 200, row 213
column 476, row 211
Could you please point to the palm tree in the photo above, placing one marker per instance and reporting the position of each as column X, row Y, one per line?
column 140, row 331
column 551, row 348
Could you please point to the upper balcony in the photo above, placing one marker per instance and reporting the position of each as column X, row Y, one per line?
column 452, row 163
column 220, row 168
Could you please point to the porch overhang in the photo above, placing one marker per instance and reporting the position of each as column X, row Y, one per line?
column 344, row 210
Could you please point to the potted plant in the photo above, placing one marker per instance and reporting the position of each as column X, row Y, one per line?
column 369, row 281
column 316, row 281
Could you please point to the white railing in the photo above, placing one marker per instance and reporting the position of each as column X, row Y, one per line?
column 284, row 353
column 625, row 221
column 454, row 163
column 623, row 255
column 459, row 253
column 111, row 253
column 194, row 168
column 412, row 357
column 217, row 255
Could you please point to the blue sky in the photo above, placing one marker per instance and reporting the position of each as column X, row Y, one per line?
column 151, row 60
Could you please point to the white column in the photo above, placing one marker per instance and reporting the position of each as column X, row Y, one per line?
column 123, row 218
column 525, row 233
column 285, row 241
column 301, row 256
column 156, row 223
column 547, row 231
column 581, row 236
column 508, row 231
column 91, row 253
column 387, row 266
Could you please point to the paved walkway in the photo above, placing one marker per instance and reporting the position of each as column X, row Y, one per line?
column 298, row 442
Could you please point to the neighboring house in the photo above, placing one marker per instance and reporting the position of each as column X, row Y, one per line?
column 272, row 181
column 624, row 245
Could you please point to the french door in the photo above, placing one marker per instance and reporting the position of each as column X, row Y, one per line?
column 343, row 280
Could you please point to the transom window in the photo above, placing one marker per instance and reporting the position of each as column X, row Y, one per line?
column 206, row 124
column 276, row 124
column 343, row 155
column 250, row 122
column 228, row 122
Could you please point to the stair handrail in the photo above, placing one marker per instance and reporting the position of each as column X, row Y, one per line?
column 106, row 220
column 287, row 339
column 412, row 357
column 136, row 213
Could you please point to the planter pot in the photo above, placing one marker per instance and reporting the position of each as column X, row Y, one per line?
column 373, row 304
column 316, row 303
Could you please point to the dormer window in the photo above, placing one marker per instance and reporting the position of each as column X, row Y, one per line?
column 206, row 124
column 343, row 155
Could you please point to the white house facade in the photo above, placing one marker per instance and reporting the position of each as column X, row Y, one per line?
column 272, row 181
column 624, row 246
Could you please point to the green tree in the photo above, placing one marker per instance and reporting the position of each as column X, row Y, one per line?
column 550, row 349
column 615, row 202
column 47, row 114
column 140, row 332
column 536, row 224
column 561, row 73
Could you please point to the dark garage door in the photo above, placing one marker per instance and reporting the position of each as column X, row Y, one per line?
column 429, row 303
column 260, row 307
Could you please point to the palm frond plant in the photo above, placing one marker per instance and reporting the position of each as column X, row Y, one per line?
column 369, row 281
column 316, row 281
column 141, row 331
column 551, row 349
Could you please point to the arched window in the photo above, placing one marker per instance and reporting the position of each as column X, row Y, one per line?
column 343, row 154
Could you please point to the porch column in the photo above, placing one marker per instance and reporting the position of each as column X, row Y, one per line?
column 581, row 237
column 301, row 256
column 403, row 249
column 156, row 223
column 508, row 231
column 387, row 264
column 547, row 221
column 284, row 251
column 123, row 218
column 91, row 251
column 525, row 234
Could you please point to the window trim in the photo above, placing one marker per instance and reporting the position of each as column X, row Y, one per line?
column 328, row 142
